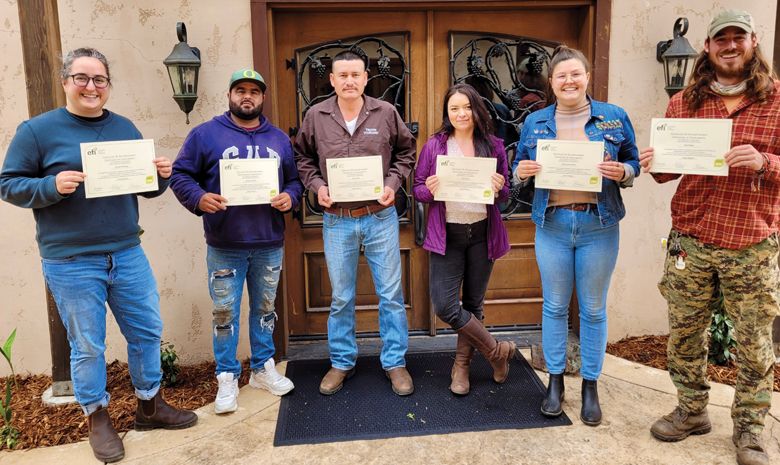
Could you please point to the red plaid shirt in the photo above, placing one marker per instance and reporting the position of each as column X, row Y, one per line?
column 725, row 210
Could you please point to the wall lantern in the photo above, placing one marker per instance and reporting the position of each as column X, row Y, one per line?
column 183, row 64
column 678, row 57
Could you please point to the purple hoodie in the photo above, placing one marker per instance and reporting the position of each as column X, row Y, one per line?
column 196, row 171
column 436, row 232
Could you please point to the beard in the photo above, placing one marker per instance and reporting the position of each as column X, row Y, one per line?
column 734, row 70
column 246, row 115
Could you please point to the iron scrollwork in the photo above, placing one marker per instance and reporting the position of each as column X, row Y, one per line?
column 511, row 77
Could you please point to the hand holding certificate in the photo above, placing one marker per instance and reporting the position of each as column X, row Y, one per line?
column 118, row 167
column 690, row 146
column 352, row 179
column 465, row 179
column 569, row 165
column 248, row 181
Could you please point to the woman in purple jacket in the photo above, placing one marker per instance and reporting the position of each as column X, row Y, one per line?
column 464, row 238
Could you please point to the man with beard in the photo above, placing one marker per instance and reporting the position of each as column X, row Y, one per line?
column 245, row 243
column 725, row 229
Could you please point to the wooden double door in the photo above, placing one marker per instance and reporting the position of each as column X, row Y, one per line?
column 415, row 53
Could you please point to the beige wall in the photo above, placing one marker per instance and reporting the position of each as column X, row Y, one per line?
column 136, row 36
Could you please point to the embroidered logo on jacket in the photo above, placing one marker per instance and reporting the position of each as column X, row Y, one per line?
column 371, row 131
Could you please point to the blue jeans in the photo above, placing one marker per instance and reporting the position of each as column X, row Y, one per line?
column 378, row 234
column 573, row 248
column 228, row 269
column 81, row 286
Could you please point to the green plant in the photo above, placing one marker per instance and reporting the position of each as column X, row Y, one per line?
column 169, row 364
column 8, row 433
column 722, row 340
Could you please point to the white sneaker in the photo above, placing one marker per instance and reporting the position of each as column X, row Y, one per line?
column 227, row 395
column 269, row 379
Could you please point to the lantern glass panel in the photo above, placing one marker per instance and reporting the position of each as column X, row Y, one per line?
column 189, row 79
column 173, row 73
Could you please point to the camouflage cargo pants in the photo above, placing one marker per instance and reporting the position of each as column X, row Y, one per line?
column 749, row 279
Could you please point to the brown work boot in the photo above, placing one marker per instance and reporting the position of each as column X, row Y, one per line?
column 680, row 424
column 498, row 353
column 156, row 413
column 334, row 379
column 401, row 381
column 750, row 448
column 460, row 369
column 106, row 444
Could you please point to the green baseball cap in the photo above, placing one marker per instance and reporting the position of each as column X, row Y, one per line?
column 246, row 75
column 726, row 18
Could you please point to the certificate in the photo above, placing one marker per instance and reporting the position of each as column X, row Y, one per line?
column 570, row 165
column 118, row 167
column 352, row 179
column 465, row 179
column 248, row 181
column 690, row 146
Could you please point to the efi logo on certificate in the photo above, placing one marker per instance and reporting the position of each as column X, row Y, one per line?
column 92, row 151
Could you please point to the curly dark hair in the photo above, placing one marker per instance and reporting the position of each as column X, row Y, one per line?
column 758, row 74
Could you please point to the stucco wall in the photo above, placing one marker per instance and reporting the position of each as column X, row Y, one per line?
column 136, row 36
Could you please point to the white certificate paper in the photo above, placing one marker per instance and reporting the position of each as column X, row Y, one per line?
column 690, row 145
column 570, row 165
column 352, row 179
column 465, row 179
column 248, row 181
column 118, row 167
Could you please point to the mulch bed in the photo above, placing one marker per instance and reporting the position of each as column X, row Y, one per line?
column 651, row 351
column 40, row 425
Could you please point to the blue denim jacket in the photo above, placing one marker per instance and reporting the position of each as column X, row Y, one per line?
column 608, row 123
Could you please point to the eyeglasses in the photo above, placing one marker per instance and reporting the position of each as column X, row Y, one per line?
column 82, row 80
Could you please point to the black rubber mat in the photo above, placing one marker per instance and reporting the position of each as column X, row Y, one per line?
column 367, row 408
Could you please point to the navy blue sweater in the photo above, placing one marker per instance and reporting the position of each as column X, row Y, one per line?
column 196, row 172
column 69, row 225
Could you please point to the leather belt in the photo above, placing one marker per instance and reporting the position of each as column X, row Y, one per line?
column 577, row 207
column 356, row 212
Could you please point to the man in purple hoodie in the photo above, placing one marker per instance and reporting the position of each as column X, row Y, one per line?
column 246, row 242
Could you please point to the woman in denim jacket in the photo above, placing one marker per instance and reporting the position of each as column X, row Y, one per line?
column 464, row 238
column 577, row 232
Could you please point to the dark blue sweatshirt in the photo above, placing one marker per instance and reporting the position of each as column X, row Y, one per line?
column 69, row 225
column 196, row 172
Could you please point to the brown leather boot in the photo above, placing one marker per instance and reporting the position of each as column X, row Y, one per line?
column 156, row 413
column 750, row 448
column 334, row 379
column 460, row 369
column 498, row 353
column 106, row 444
column 400, row 380
column 680, row 424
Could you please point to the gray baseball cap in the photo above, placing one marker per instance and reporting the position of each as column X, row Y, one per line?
column 726, row 18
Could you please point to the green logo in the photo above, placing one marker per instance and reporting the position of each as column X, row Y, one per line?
column 718, row 162
column 377, row 189
column 273, row 192
column 149, row 179
column 486, row 193
column 593, row 180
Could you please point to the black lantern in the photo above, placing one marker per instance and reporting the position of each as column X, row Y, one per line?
column 183, row 64
column 678, row 56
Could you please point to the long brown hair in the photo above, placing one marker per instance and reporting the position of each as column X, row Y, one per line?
column 759, row 76
column 483, row 125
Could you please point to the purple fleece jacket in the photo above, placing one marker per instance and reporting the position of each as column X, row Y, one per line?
column 436, row 232
column 196, row 171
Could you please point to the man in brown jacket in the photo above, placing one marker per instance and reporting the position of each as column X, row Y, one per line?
column 348, row 125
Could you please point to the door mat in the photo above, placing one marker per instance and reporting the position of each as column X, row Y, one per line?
column 367, row 408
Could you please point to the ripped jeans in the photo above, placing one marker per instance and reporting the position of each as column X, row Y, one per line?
column 228, row 269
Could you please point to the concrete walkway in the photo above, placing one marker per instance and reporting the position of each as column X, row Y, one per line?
column 632, row 397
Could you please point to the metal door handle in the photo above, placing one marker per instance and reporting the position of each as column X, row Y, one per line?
column 419, row 223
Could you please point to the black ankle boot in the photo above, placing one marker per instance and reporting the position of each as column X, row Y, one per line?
column 551, row 405
column 591, row 411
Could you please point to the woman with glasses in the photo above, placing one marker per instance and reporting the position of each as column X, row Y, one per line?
column 465, row 238
column 577, row 232
column 90, row 248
